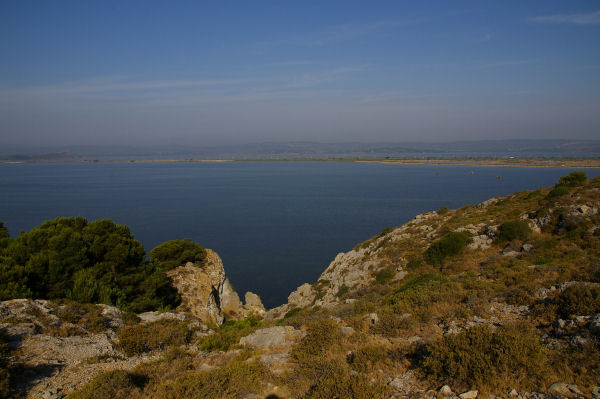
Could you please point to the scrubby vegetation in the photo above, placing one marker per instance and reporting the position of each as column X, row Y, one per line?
column 487, row 359
column 450, row 244
column 566, row 183
column 174, row 253
column 5, row 391
column 229, row 334
column 140, row 338
column 235, row 380
column 116, row 384
column 90, row 262
column 514, row 230
column 579, row 299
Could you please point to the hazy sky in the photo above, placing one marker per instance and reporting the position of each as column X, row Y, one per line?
column 194, row 72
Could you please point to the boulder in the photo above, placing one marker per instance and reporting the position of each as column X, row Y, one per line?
column 469, row 395
column 149, row 317
column 445, row 391
column 272, row 337
column 480, row 242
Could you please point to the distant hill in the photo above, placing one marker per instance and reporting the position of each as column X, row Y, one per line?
column 44, row 157
column 298, row 149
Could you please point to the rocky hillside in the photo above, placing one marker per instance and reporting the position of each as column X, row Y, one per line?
column 498, row 299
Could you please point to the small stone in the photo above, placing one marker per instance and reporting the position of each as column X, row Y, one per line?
column 347, row 331
column 561, row 389
column 526, row 247
column 513, row 393
column 469, row 395
column 397, row 384
column 574, row 389
column 445, row 390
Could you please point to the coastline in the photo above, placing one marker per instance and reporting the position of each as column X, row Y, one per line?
column 586, row 163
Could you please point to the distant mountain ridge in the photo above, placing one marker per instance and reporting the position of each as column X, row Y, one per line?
column 527, row 147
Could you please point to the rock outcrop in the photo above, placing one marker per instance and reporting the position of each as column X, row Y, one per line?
column 207, row 294
column 266, row 338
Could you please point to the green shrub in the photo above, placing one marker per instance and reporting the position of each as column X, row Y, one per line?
column 342, row 291
column 320, row 336
column 235, row 380
column 385, row 232
column 579, row 299
column 558, row 192
column 5, row 390
column 116, row 384
column 332, row 379
column 510, row 356
column 86, row 315
column 175, row 253
column 3, row 231
column 391, row 323
column 384, row 275
column 565, row 183
column 514, row 230
column 449, row 245
column 443, row 210
column 414, row 263
column 423, row 291
column 519, row 296
column 291, row 312
column 229, row 334
column 140, row 338
column 369, row 358
column 573, row 179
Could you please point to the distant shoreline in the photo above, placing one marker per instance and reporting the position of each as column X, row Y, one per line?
column 587, row 163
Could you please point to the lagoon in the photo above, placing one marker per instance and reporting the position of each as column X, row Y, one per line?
column 275, row 224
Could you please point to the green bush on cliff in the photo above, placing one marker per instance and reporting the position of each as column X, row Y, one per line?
column 573, row 179
column 579, row 299
column 115, row 384
column 141, row 338
column 229, row 334
column 565, row 183
column 95, row 262
column 237, row 379
column 486, row 358
column 449, row 245
column 514, row 230
column 171, row 254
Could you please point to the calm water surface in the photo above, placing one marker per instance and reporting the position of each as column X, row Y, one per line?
column 275, row 224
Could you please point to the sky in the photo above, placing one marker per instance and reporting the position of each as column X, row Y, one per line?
column 230, row 72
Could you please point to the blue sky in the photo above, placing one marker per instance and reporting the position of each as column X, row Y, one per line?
column 193, row 73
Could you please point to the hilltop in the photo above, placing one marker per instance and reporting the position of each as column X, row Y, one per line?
column 497, row 299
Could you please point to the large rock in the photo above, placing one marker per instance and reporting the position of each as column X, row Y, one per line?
column 272, row 337
column 207, row 294
column 468, row 395
column 254, row 304
column 303, row 296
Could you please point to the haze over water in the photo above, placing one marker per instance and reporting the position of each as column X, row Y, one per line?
column 275, row 224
